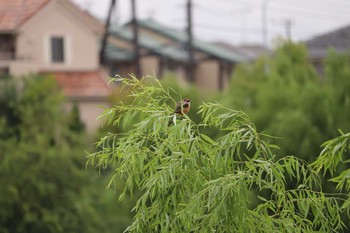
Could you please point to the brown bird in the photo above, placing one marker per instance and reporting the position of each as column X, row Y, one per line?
column 183, row 106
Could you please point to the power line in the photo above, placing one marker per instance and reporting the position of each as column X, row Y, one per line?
column 325, row 7
column 226, row 28
column 221, row 3
column 211, row 32
column 319, row 12
column 346, row 2
column 283, row 12
column 310, row 11
column 214, row 11
column 251, row 39
column 277, row 9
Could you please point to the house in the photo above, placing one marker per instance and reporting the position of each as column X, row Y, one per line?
column 318, row 47
column 165, row 49
column 155, row 58
column 55, row 37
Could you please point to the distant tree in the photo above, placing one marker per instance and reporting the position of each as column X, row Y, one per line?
column 284, row 97
column 194, row 183
column 337, row 77
column 74, row 121
column 8, row 97
column 44, row 184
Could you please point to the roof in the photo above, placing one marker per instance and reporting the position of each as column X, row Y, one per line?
column 88, row 19
column 181, row 37
column 81, row 83
column 250, row 52
column 145, row 42
column 338, row 39
column 113, row 52
column 13, row 13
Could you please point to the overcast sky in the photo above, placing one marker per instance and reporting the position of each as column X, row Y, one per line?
column 236, row 21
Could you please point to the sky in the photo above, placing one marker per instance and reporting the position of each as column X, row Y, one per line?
column 238, row 22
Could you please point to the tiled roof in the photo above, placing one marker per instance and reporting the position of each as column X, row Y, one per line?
column 181, row 37
column 250, row 52
column 150, row 44
column 338, row 39
column 82, row 84
column 114, row 53
column 13, row 13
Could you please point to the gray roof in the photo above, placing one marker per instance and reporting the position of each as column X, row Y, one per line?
column 113, row 52
column 181, row 37
column 250, row 52
column 338, row 39
column 148, row 43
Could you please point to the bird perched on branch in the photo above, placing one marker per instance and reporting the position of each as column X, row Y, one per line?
column 183, row 106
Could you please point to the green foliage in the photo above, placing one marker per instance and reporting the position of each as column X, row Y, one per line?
column 192, row 182
column 337, row 74
column 45, row 186
column 7, row 104
column 334, row 155
column 284, row 97
column 40, row 189
column 122, row 94
column 74, row 122
column 290, row 64
column 39, row 107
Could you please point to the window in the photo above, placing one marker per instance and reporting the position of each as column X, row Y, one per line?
column 57, row 49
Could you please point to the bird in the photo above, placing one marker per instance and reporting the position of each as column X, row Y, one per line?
column 183, row 107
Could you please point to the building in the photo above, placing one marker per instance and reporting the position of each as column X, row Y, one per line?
column 165, row 49
column 318, row 47
column 55, row 37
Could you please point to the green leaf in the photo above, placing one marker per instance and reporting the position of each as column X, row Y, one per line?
column 208, row 139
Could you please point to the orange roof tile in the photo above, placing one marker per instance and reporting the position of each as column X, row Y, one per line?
column 82, row 84
column 13, row 13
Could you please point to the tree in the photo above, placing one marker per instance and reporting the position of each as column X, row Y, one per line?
column 194, row 183
column 74, row 121
column 287, row 99
column 334, row 160
column 337, row 75
column 45, row 186
column 8, row 96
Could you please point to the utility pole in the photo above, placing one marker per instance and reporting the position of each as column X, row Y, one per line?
column 288, row 25
column 190, row 68
column 265, row 33
column 106, row 32
column 135, row 40
column 264, row 22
